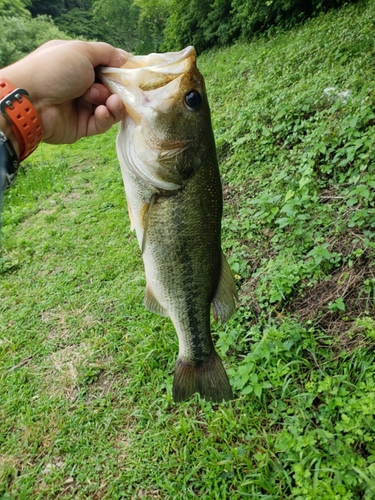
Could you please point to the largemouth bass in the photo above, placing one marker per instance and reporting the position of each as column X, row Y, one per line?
column 167, row 154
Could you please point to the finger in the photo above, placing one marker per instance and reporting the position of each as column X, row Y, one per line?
column 98, row 53
column 101, row 121
column 96, row 94
column 116, row 107
column 103, row 54
column 103, row 118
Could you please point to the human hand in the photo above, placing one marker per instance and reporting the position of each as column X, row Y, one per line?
column 60, row 79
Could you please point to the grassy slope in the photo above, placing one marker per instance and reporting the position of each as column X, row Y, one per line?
column 85, row 395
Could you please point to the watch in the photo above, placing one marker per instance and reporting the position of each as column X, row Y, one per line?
column 8, row 162
column 23, row 118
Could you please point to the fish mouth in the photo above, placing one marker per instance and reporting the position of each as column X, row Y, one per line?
column 148, row 81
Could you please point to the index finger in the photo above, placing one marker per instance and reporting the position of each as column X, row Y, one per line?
column 104, row 54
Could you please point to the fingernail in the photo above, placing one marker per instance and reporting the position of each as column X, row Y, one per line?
column 124, row 56
column 124, row 53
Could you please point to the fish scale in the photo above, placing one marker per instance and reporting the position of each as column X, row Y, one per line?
column 167, row 154
column 189, row 278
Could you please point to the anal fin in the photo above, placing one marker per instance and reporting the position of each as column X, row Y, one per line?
column 224, row 302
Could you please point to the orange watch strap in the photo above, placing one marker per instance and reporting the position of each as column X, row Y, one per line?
column 22, row 116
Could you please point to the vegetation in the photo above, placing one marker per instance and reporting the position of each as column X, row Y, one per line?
column 86, row 372
column 79, row 23
column 143, row 26
column 56, row 8
column 21, row 35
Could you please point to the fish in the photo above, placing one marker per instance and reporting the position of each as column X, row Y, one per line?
column 166, row 150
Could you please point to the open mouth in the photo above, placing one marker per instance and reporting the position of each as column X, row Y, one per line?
column 150, row 81
column 150, row 72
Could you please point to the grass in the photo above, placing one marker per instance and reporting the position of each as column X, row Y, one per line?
column 86, row 373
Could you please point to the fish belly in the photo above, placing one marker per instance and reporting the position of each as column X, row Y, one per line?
column 182, row 259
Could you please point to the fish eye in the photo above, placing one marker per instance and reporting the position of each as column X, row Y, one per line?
column 193, row 100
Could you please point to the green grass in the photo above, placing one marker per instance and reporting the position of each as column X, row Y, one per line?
column 86, row 409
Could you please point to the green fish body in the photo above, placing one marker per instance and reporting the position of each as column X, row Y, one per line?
column 168, row 159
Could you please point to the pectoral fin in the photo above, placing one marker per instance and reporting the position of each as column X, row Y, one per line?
column 131, row 217
column 224, row 302
column 152, row 305
column 146, row 216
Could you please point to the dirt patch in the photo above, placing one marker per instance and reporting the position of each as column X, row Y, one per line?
column 73, row 196
column 351, row 283
column 347, row 283
column 62, row 377
column 149, row 493
column 58, row 319
column 123, row 443
column 72, row 369
column 354, row 283
column 104, row 381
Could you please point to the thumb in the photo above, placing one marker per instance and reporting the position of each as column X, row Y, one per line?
column 103, row 54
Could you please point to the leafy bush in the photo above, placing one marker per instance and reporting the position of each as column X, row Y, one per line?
column 55, row 8
column 199, row 23
column 134, row 25
column 13, row 7
column 252, row 16
column 207, row 23
column 21, row 35
column 80, row 23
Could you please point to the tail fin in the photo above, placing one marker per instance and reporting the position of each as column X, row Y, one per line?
column 209, row 379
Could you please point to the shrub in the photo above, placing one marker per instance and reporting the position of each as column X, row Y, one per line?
column 21, row 35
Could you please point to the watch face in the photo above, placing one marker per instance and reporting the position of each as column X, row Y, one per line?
column 3, row 173
column 8, row 180
column 8, row 163
column 2, row 137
